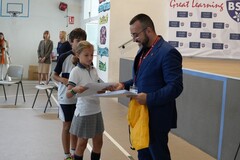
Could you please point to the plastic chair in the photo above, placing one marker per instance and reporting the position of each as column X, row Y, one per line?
column 46, row 88
column 4, row 91
column 16, row 73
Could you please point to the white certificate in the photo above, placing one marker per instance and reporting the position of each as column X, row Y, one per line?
column 118, row 93
column 93, row 88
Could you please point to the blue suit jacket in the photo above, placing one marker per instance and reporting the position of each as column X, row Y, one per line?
column 160, row 76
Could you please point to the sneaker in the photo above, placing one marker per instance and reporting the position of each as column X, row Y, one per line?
column 69, row 158
column 42, row 83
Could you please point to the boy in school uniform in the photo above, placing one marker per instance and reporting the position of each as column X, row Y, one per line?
column 67, row 105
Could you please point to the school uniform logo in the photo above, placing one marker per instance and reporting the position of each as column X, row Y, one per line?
column 233, row 8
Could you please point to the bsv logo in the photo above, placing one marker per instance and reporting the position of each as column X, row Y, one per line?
column 233, row 8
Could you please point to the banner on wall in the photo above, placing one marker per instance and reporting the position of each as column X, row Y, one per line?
column 103, row 42
column 205, row 28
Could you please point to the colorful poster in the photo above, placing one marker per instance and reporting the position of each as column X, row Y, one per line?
column 103, row 42
column 205, row 28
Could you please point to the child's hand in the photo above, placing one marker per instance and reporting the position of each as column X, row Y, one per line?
column 64, row 81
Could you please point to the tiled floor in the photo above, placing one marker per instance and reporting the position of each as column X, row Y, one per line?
column 30, row 134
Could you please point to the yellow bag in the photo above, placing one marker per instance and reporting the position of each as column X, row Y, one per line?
column 138, row 121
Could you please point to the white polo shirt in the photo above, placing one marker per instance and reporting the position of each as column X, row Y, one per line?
column 63, row 69
column 87, row 105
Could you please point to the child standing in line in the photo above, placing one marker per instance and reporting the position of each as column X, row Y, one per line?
column 87, row 121
column 67, row 105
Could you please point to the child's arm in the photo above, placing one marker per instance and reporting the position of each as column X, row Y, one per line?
column 57, row 78
column 71, row 91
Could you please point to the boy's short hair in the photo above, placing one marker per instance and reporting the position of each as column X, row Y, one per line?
column 77, row 33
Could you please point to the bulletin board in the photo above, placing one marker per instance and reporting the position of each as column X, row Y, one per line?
column 203, row 28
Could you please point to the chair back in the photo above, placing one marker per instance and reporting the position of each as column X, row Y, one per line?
column 15, row 71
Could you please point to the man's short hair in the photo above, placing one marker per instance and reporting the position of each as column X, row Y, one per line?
column 144, row 19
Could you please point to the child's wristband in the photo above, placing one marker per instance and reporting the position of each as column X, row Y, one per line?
column 73, row 92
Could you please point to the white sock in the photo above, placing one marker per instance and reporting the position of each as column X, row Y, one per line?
column 72, row 151
column 67, row 155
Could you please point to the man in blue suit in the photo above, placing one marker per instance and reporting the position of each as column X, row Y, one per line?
column 157, row 75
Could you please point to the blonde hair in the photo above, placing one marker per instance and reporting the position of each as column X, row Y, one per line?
column 64, row 34
column 83, row 45
column 80, row 47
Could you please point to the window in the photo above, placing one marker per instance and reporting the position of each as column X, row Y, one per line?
column 90, row 8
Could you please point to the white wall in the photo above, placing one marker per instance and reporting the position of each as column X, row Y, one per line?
column 121, row 14
column 24, row 34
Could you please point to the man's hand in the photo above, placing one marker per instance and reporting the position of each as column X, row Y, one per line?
column 117, row 86
column 141, row 98
column 109, row 88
